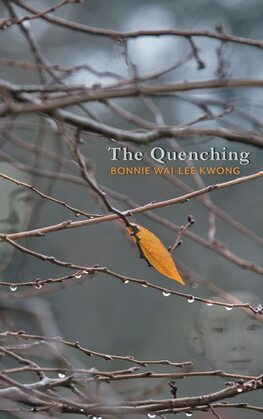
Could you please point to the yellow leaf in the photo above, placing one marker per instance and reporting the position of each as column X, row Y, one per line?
column 155, row 252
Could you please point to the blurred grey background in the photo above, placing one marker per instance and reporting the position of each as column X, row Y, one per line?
column 101, row 313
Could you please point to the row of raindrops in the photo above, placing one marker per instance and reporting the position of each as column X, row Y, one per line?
column 149, row 415
column 152, row 415
column 190, row 299
column 38, row 285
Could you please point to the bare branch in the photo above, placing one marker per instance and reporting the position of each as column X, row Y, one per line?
column 116, row 35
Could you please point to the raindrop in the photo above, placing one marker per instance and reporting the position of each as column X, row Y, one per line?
column 239, row 390
column 144, row 285
column 78, row 276
column 228, row 308
column 189, row 414
column 38, row 286
column 126, row 281
column 61, row 375
column 191, row 299
column 165, row 294
column 26, row 24
column 81, row 410
column 77, row 214
column 13, row 288
column 150, row 415
column 209, row 304
column 85, row 272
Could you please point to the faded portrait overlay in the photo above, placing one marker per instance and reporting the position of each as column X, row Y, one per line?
column 19, row 211
column 230, row 340
column 16, row 208
column 17, row 205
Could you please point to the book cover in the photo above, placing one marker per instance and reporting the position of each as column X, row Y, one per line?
column 131, row 209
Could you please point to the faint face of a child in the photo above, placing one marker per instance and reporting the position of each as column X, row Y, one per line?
column 16, row 206
column 232, row 340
